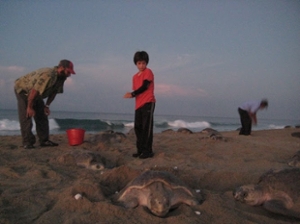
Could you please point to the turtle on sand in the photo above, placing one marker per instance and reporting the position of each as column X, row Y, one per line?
column 295, row 160
column 108, row 137
column 159, row 191
column 210, row 131
column 184, row 131
column 84, row 158
column 296, row 134
column 277, row 192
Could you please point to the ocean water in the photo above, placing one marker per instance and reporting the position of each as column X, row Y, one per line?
column 60, row 121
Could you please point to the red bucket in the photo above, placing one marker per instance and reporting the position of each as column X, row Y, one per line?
column 75, row 136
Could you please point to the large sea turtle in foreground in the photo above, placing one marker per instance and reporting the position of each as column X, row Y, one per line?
column 276, row 191
column 159, row 191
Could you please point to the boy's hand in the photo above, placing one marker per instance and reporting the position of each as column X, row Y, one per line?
column 127, row 95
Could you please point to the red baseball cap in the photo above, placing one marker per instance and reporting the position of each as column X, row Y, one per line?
column 67, row 64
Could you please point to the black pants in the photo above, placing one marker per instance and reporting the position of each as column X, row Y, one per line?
column 40, row 118
column 143, row 127
column 245, row 121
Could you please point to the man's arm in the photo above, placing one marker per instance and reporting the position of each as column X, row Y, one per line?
column 32, row 95
column 49, row 101
column 253, row 117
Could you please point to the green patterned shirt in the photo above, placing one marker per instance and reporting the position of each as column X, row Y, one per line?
column 45, row 80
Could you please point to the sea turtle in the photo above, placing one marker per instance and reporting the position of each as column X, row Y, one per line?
column 184, row 131
column 295, row 160
column 159, row 191
column 210, row 131
column 108, row 137
column 84, row 158
column 212, row 134
column 296, row 134
column 276, row 191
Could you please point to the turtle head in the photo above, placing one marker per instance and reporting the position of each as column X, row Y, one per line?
column 295, row 161
column 96, row 166
column 159, row 205
column 249, row 194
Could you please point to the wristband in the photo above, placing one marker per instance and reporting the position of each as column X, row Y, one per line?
column 47, row 106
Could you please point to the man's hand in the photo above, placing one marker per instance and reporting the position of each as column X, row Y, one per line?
column 253, row 118
column 30, row 112
column 32, row 95
column 47, row 111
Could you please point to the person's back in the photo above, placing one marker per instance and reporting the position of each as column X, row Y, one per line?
column 251, row 106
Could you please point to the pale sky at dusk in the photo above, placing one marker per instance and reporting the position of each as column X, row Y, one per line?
column 207, row 56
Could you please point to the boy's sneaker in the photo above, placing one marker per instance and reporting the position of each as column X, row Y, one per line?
column 146, row 155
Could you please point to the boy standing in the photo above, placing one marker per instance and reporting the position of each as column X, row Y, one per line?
column 143, row 91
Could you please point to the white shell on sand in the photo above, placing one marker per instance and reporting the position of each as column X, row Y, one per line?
column 78, row 196
column 197, row 213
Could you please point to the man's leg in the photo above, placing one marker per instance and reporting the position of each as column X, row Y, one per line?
column 41, row 121
column 248, row 125
column 28, row 139
column 246, row 122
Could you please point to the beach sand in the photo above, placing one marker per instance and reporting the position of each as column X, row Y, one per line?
column 36, row 187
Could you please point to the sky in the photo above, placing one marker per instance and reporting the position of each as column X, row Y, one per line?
column 207, row 56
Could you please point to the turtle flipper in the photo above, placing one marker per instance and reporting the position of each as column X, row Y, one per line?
column 280, row 207
column 130, row 202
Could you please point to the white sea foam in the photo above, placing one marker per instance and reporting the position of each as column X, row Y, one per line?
column 130, row 124
column 9, row 125
column 185, row 124
column 95, row 122
column 12, row 125
column 272, row 126
column 53, row 124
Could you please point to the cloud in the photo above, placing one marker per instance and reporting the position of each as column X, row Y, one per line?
column 11, row 69
column 175, row 62
column 9, row 74
column 175, row 90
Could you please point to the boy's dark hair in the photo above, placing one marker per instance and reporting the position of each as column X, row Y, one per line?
column 141, row 56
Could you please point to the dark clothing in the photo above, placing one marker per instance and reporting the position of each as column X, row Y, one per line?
column 143, row 127
column 246, row 122
column 142, row 89
column 41, row 120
